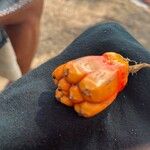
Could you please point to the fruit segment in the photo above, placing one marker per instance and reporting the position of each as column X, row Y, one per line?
column 86, row 108
column 75, row 94
column 99, row 86
column 58, row 73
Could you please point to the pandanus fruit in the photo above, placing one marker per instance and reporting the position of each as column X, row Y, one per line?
column 92, row 83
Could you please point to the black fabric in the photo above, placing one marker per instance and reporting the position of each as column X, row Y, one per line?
column 3, row 37
column 31, row 118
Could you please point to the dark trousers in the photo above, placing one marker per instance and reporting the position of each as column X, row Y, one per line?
column 31, row 118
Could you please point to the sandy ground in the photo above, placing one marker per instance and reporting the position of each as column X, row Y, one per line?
column 64, row 20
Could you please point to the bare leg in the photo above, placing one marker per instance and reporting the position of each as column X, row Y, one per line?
column 24, row 38
column 23, row 30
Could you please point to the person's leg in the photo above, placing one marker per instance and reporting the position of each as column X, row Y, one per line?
column 147, row 1
column 31, row 118
column 9, row 67
column 23, row 30
column 8, row 64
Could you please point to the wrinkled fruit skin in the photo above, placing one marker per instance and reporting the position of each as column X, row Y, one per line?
column 91, row 83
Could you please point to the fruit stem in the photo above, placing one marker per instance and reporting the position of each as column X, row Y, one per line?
column 135, row 68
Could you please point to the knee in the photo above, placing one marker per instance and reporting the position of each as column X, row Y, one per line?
column 109, row 26
column 32, row 14
column 36, row 8
column 34, row 11
column 106, row 29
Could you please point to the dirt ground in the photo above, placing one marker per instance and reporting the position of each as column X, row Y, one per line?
column 64, row 20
